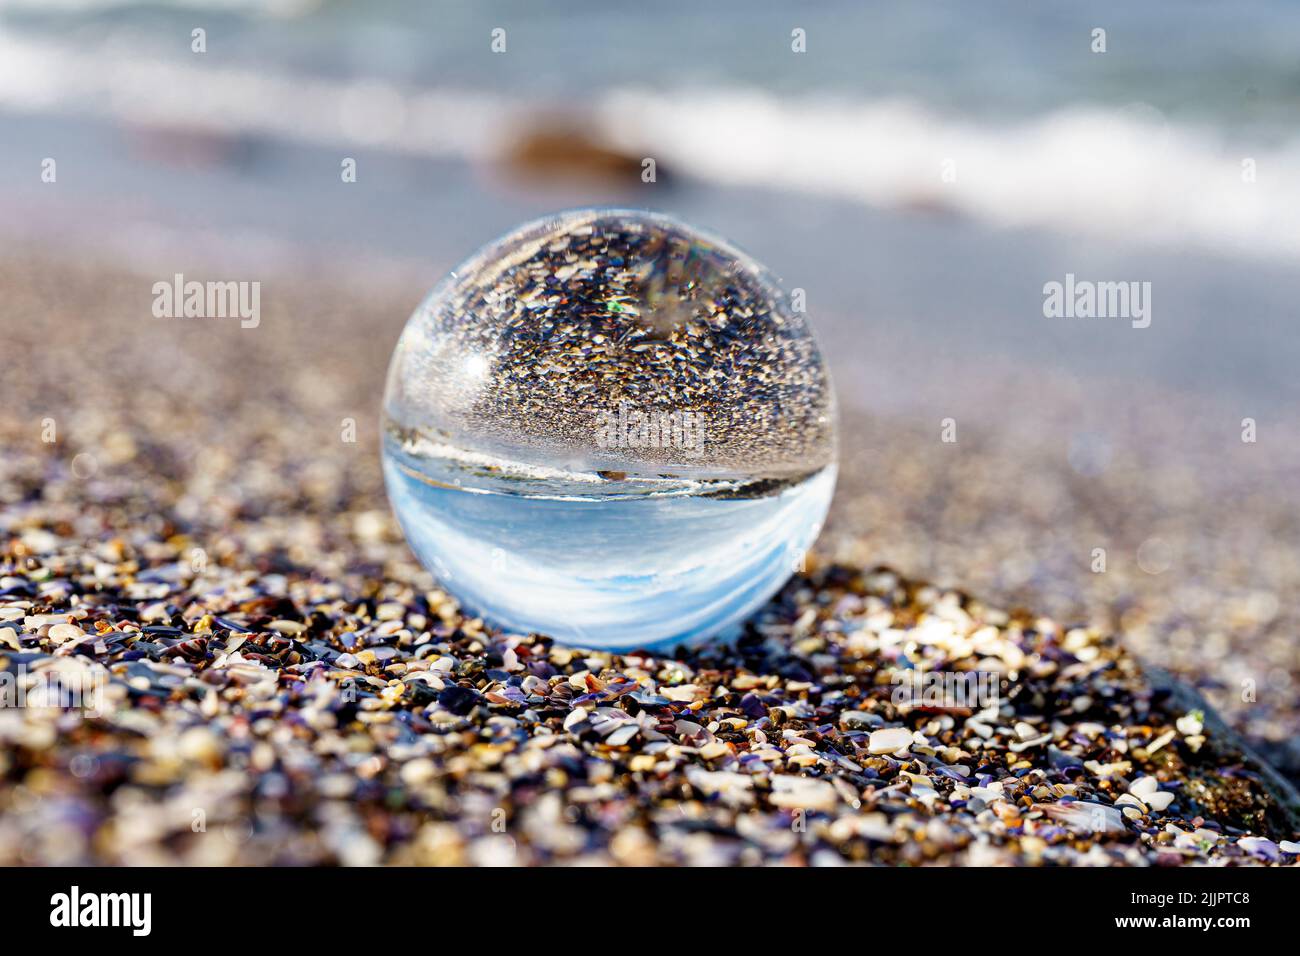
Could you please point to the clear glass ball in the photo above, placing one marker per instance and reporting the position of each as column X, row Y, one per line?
column 610, row 427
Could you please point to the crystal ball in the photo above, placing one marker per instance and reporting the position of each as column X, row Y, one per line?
column 611, row 428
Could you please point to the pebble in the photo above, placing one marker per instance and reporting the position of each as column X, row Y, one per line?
column 890, row 740
column 858, row 720
column 1190, row 725
column 200, row 745
column 1146, row 790
column 625, row 734
column 803, row 793
column 1087, row 817
column 65, row 632
column 420, row 771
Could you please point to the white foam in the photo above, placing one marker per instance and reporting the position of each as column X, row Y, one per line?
column 113, row 83
column 1124, row 175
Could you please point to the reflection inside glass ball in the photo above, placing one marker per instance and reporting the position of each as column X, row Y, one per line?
column 611, row 428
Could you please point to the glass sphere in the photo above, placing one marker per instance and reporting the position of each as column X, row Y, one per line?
column 612, row 428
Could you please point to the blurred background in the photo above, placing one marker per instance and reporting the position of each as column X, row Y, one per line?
column 921, row 170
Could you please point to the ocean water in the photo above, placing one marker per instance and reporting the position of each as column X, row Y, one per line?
column 998, row 111
column 1226, row 64
column 620, row 565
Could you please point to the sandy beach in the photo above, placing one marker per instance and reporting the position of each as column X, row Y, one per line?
column 1052, row 617
column 282, row 683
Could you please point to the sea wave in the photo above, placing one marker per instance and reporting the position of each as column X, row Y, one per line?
column 1125, row 174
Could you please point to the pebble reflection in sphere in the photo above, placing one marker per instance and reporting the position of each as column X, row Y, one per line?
column 611, row 428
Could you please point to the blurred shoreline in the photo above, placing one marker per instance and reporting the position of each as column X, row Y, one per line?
column 919, row 286
column 1131, row 170
column 904, row 172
